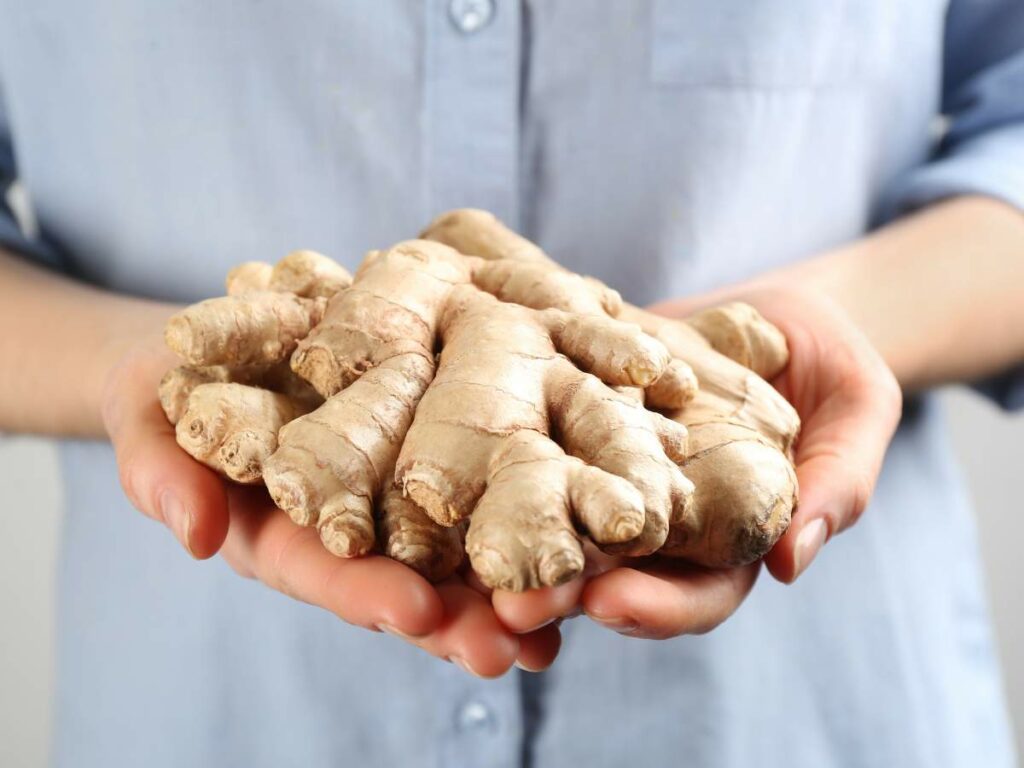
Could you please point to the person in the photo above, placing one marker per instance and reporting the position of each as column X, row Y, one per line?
column 683, row 152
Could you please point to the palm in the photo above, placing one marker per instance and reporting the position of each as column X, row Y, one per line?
column 849, row 404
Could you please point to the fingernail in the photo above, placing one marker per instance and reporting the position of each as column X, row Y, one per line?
column 623, row 625
column 464, row 665
column 388, row 629
column 808, row 543
column 520, row 665
column 177, row 518
column 538, row 626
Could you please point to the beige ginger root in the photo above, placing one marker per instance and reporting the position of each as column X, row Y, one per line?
column 740, row 429
column 481, row 399
column 267, row 311
column 305, row 273
column 481, row 442
column 234, row 394
column 178, row 383
column 233, row 427
column 372, row 356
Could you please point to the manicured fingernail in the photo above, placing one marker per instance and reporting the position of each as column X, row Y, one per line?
column 520, row 665
column 177, row 518
column 808, row 543
column 463, row 665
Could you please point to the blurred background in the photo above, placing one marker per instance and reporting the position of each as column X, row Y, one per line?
column 987, row 441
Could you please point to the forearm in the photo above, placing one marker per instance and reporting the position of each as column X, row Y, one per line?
column 58, row 341
column 940, row 293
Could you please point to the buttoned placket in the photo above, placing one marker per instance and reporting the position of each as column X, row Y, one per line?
column 471, row 106
column 471, row 158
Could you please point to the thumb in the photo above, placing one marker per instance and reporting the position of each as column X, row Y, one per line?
column 161, row 480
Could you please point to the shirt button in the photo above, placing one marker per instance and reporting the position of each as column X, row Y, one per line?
column 470, row 16
column 475, row 716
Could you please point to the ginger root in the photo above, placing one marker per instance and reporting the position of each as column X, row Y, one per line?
column 740, row 429
column 499, row 373
column 233, row 427
column 464, row 394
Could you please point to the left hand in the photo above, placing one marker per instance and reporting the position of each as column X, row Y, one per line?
column 849, row 404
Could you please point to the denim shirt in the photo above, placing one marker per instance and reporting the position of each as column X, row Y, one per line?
column 665, row 146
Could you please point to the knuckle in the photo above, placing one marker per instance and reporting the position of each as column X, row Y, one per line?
column 278, row 574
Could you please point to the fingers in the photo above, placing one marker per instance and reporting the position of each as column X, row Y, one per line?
column 839, row 458
column 471, row 635
column 371, row 592
column 537, row 650
column 453, row 621
column 528, row 611
column 667, row 599
column 160, row 479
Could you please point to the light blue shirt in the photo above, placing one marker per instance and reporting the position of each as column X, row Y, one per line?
column 667, row 146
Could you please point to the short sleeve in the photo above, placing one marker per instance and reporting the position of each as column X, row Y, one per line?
column 982, row 150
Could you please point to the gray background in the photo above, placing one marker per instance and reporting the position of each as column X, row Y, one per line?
column 988, row 442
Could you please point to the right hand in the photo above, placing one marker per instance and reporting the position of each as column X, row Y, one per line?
column 453, row 620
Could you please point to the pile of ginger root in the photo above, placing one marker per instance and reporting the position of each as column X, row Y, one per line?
column 464, row 395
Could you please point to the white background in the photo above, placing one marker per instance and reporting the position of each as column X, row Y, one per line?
column 989, row 444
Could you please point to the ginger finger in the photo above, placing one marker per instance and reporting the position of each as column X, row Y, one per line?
column 255, row 328
column 248, row 276
column 521, row 534
column 309, row 274
column 233, row 428
column 500, row 376
column 333, row 463
column 739, row 332
column 409, row 535
column 740, row 429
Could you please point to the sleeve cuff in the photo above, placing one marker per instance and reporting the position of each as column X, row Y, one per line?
column 991, row 164
column 1007, row 389
column 15, row 241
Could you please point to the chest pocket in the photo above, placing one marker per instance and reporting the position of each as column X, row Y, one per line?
column 770, row 43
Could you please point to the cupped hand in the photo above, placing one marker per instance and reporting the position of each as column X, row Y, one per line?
column 208, row 515
column 849, row 404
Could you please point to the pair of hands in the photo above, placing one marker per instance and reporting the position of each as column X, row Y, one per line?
column 846, row 396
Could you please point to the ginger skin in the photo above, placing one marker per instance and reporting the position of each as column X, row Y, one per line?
column 178, row 383
column 740, row 429
column 267, row 310
column 465, row 395
column 481, row 443
column 305, row 273
column 372, row 356
column 233, row 427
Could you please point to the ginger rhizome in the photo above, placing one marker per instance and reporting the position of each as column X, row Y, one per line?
column 741, row 430
column 464, row 394
column 438, row 430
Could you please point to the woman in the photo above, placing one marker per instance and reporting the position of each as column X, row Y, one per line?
column 786, row 153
